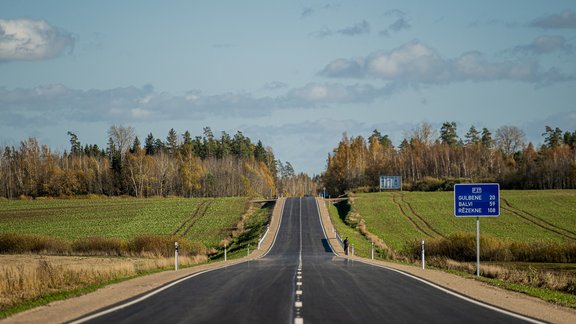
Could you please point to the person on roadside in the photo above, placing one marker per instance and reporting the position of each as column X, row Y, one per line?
column 345, row 242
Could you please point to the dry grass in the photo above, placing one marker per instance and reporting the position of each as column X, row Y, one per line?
column 28, row 277
column 559, row 281
column 143, row 245
column 462, row 247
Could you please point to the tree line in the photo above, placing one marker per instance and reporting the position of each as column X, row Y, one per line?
column 179, row 165
column 431, row 160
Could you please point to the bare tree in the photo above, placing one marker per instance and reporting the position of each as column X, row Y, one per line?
column 121, row 137
column 424, row 134
column 509, row 139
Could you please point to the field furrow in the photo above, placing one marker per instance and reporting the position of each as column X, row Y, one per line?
column 538, row 221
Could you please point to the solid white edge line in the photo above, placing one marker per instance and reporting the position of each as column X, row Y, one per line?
column 278, row 231
column 158, row 290
column 456, row 294
column 150, row 294
column 453, row 293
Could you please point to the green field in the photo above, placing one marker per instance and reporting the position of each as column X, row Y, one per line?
column 205, row 220
column 528, row 216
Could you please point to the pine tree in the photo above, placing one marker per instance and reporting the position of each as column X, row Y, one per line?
column 448, row 133
column 473, row 136
column 187, row 138
column 260, row 153
column 149, row 145
column 172, row 142
column 75, row 146
column 135, row 145
column 553, row 137
column 486, row 139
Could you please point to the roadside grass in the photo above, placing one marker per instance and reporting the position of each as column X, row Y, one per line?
column 548, row 295
column 245, row 237
column 28, row 281
column 362, row 247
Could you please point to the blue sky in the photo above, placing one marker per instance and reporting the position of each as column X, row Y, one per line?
column 295, row 74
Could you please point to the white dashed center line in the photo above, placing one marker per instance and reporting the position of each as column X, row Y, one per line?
column 298, row 304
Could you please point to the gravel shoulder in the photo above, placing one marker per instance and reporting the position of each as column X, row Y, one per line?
column 498, row 297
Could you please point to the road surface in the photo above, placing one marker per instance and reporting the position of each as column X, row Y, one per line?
column 302, row 280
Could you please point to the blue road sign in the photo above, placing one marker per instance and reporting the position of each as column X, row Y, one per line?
column 477, row 200
column 390, row 182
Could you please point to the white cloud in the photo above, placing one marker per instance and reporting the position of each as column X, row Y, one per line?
column 345, row 68
column 31, row 40
column 55, row 104
column 472, row 66
column 415, row 62
column 325, row 93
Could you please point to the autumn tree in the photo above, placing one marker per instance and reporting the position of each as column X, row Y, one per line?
column 509, row 139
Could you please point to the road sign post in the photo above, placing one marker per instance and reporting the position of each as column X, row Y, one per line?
column 477, row 200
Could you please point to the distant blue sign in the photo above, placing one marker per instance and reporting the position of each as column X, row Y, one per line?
column 473, row 200
column 390, row 182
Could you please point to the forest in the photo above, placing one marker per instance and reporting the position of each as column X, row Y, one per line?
column 180, row 165
column 210, row 166
column 431, row 160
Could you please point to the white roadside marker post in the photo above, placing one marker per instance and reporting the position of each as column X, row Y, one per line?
column 225, row 252
column 176, row 256
column 478, row 246
column 423, row 260
column 372, row 250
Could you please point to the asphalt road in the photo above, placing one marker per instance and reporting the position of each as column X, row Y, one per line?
column 300, row 279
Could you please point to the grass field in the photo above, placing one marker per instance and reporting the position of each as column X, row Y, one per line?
column 204, row 220
column 528, row 216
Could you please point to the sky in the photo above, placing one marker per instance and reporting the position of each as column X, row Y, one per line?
column 295, row 74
